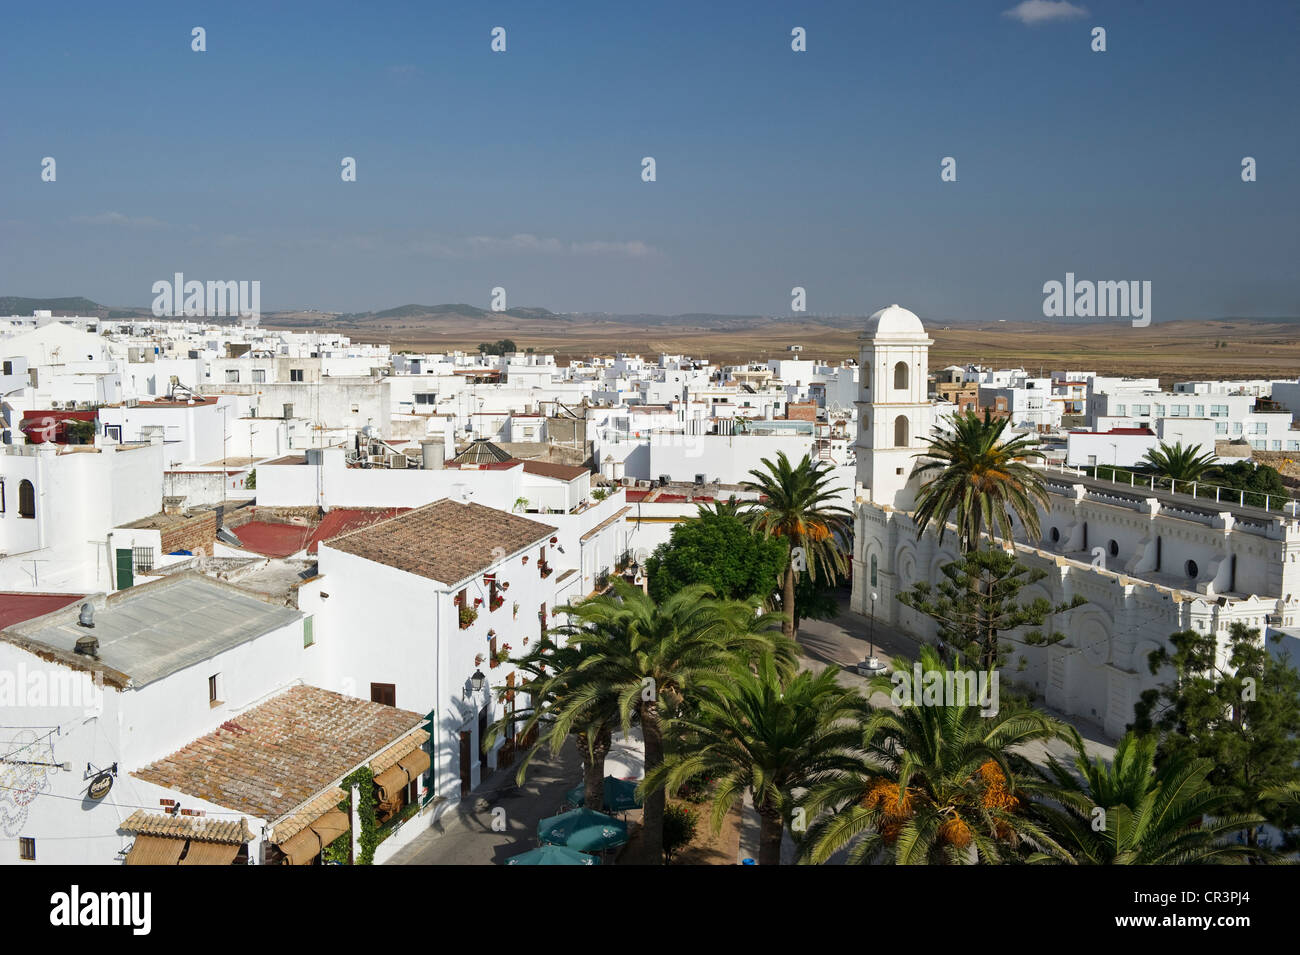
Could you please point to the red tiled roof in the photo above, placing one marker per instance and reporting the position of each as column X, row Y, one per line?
column 341, row 520
column 17, row 607
column 271, row 539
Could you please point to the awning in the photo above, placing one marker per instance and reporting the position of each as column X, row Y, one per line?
column 415, row 764
column 210, row 853
column 155, row 850
column 408, row 769
column 309, row 843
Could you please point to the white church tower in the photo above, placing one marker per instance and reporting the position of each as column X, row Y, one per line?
column 895, row 415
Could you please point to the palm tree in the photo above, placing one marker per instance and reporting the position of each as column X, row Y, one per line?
column 1148, row 815
column 647, row 654
column 934, row 783
column 978, row 479
column 548, row 668
column 1179, row 463
column 731, row 507
column 796, row 505
column 751, row 728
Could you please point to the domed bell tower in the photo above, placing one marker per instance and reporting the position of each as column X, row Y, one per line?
column 895, row 415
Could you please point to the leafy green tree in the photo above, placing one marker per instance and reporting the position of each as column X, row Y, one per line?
column 757, row 729
column 1131, row 812
column 816, row 599
column 1240, row 716
column 796, row 505
column 717, row 550
column 1179, row 463
column 976, row 479
column 503, row 347
column 934, row 784
column 977, row 602
column 1260, row 483
column 649, row 654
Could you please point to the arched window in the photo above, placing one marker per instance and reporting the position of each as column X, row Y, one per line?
column 26, row 500
column 900, row 431
column 900, row 375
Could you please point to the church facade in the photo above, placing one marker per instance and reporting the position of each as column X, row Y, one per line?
column 1148, row 563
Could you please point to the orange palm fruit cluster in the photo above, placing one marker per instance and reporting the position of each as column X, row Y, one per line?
column 996, row 795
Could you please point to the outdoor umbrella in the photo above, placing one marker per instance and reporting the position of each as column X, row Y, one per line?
column 620, row 795
column 552, row 855
column 584, row 830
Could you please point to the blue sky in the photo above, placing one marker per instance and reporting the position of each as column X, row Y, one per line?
column 523, row 169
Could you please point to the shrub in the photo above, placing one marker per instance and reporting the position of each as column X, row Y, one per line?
column 680, row 824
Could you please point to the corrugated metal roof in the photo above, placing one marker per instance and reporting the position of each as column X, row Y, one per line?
column 157, row 629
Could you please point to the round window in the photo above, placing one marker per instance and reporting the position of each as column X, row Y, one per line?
column 1192, row 569
column 1055, row 535
column 1113, row 547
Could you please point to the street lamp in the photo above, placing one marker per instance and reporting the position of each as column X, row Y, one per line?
column 872, row 662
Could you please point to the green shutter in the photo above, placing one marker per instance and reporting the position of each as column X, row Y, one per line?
column 125, row 568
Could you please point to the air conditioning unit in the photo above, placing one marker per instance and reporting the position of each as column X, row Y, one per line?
column 397, row 461
column 379, row 460
column 665, row 479
column 700, row 479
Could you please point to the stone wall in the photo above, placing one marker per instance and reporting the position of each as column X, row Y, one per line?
column 196, row 534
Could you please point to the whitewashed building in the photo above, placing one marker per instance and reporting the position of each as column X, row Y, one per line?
column 1147, row 563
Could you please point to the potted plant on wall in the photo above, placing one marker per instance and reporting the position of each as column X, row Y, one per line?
column 467, row 617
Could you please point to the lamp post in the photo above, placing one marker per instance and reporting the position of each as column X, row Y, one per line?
column 872, row 662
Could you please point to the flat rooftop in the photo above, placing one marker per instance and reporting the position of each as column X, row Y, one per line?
column 1206, row 506
column 149, row 632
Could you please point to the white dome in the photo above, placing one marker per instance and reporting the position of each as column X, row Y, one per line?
column 893, row 322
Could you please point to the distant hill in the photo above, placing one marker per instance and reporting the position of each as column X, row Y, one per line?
column 443, row 312
column 76, row 305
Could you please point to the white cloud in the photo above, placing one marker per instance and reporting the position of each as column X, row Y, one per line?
column 1033, row 12
column 117, row 218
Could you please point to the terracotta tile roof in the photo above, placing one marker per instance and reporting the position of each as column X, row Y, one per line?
column 564, row 472
column 271, row 759
column 444, row 541
column 207, row 828
column 604, row 524
column 304, row 815
column 389, row 757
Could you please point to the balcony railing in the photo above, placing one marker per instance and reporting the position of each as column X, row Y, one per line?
column 1219, row 494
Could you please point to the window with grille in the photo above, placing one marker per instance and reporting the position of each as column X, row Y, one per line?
column 27, row 849
column 142, row 559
